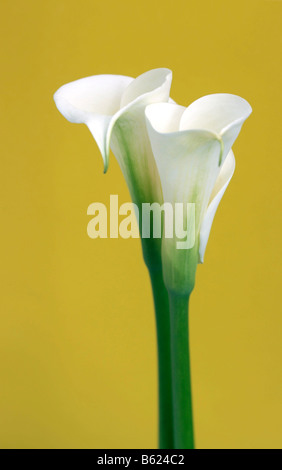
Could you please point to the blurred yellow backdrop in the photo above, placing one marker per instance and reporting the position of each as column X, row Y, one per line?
column 77, row 338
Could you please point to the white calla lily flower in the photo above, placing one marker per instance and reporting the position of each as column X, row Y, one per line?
column 112, row 106
column 192, row 149
column 179, row 158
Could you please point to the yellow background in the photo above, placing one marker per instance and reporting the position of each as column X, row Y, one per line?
column 77, row 339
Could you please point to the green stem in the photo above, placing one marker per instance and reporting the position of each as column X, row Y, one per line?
column 181, row 382
column 161, row 302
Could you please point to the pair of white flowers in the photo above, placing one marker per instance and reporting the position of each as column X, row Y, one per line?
column 167, row 153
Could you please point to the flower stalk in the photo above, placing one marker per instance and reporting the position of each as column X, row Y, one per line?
column 181, row 377
column 162, row 315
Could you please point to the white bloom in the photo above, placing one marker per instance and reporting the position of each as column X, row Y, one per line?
column 192, row 149
column 112, row 106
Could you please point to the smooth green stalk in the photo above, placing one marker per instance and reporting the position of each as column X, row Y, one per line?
column 152, row 256
column 181, row 382
column 161, row 302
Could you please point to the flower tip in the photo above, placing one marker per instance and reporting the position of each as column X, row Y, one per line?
column 56, row 98
column 106, row 166
column 105, row 152
column 64, row 105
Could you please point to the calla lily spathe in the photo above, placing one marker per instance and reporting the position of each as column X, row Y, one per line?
column 192, row 149
column 112, row 106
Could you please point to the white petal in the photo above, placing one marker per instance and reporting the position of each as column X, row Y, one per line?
column 156, row 82
column 132, row 149
column 187, row 160
column 93, row 101
column 220, row 186
column 129, row 138
column 221, row 113
column 165, row 117
column 100, row 128
column 101, row 100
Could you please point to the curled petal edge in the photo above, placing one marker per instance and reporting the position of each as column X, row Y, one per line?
column 221, row 184
column 100, row 125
